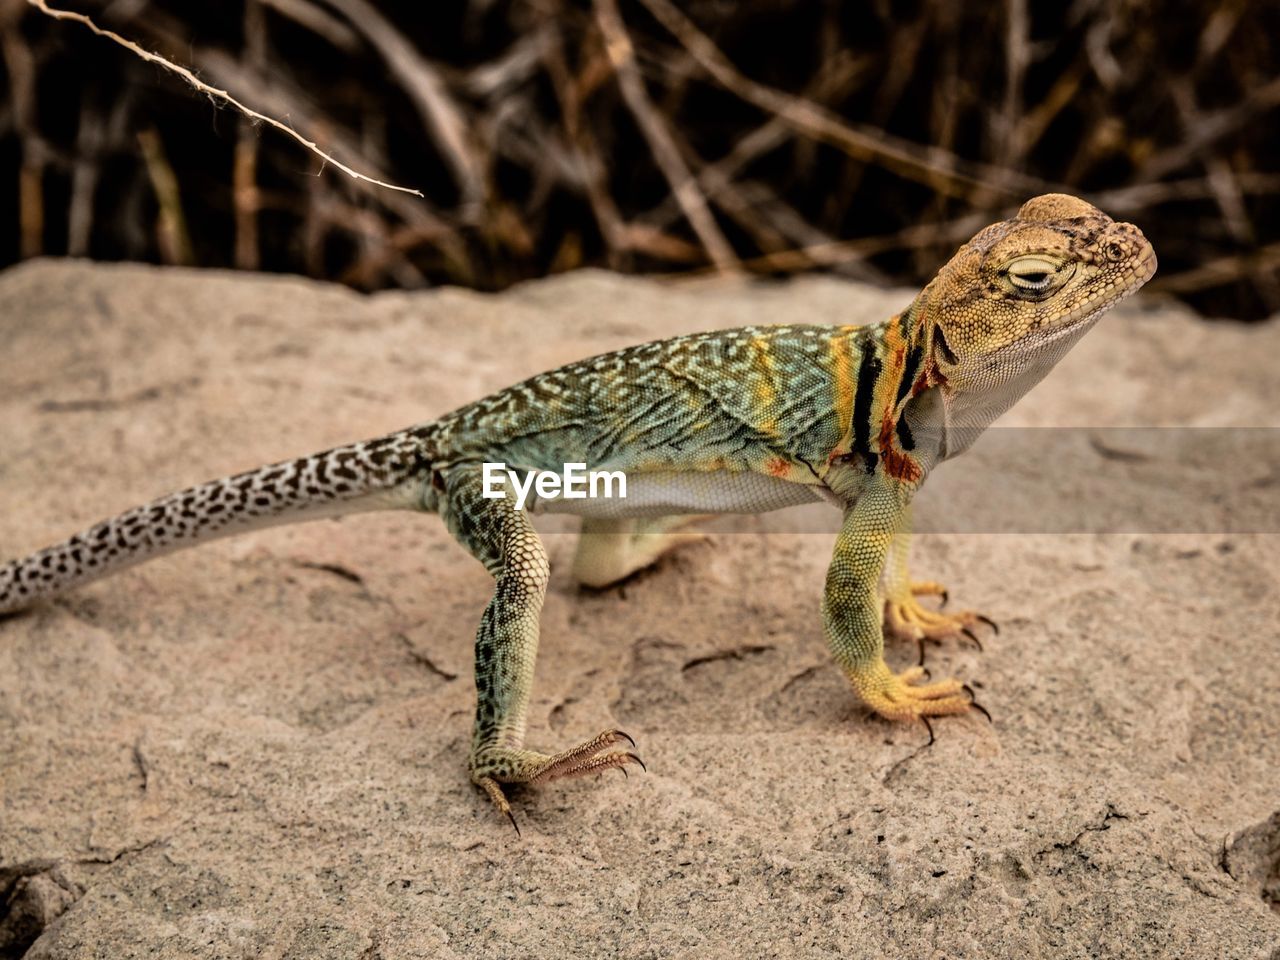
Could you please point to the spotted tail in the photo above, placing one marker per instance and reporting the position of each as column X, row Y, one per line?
column 386, row 473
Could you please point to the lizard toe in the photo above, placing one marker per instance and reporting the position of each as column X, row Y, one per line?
column 907, row 619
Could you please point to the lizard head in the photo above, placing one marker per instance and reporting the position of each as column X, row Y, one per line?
column 1018, row 295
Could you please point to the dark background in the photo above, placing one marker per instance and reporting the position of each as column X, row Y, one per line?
column 868, row 139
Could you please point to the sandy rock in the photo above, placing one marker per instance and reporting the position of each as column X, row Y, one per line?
column 257, row 748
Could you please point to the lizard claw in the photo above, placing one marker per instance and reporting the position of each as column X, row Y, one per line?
column 493, row 766
column 973, row 702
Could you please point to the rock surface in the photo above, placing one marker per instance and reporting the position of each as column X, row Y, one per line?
column 257, row 748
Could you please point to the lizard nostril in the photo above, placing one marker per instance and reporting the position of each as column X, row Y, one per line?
column 1115, row 251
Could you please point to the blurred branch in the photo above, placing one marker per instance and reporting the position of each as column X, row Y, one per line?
column 843, row 251
column 584, row 148
column 218, row 95
column 90, row 139
column 1017, row 55
column 308, row 15
column 1141, row 196
column 835, row 77
column 683, row 186
column 1221, row 271
column 929, row 165
column 20, row 63
column 764, row 137
column 1209, row 129
column 171, row 223
column 516, row 65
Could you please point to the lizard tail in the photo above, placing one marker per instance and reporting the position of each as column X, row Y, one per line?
column 387, row 473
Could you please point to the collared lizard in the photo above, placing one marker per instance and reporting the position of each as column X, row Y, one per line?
column 731, row 421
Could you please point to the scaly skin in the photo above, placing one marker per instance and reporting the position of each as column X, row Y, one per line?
column 731, row 421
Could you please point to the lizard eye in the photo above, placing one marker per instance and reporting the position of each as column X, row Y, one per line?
column 1033, row 274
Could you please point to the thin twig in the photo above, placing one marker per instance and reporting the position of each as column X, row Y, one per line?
column 244, row 169
column 286, row 101
column 220, row 95
column 422, row 82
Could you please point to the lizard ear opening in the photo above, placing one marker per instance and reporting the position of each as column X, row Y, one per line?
column 940, row 343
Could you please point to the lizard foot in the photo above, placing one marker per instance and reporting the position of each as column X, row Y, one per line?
column 901, row 696
column 906, row 618
column 493, row 766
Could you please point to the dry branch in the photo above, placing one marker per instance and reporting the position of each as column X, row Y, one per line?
column 787, row 138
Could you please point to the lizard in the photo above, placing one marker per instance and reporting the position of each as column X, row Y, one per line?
column 730, row 421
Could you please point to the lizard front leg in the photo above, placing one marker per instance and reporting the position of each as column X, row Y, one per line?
column 904, row 616
column 851, row 606
column 503, row 539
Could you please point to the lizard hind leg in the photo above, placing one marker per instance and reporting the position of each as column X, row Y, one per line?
column 503, row 539
column 612, row 550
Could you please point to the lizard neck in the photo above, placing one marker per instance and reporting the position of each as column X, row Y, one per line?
column 879, row 369
column 972, row 394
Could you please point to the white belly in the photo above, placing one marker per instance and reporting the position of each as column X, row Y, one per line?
column 660, row 494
